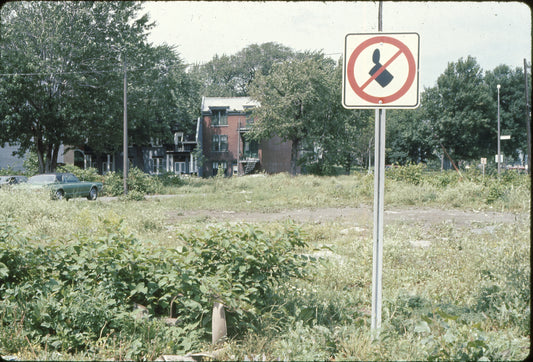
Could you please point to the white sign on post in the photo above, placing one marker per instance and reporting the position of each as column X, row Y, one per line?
column 381, row 70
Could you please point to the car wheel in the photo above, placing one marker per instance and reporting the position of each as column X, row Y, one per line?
column 59, row 195
column 93, row 194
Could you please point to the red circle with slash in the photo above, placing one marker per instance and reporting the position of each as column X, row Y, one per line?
column 359, row 89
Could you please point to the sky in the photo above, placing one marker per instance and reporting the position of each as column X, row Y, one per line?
column 493, row 32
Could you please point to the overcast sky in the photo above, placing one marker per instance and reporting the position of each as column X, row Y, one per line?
column 493, row 32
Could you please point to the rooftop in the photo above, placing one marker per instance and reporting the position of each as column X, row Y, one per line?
column 235, row 104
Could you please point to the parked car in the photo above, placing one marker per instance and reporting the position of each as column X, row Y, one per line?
column 12, row 180
column 66, row 186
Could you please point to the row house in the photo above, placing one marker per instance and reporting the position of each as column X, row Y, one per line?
column 224, row 124
column 154, row 158
column 221, row 135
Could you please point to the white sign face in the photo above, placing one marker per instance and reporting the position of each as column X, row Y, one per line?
column 381, row 70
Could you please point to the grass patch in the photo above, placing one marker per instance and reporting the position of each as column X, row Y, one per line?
column 71, row 272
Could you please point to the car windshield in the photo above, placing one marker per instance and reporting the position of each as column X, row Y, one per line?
column 42, row 179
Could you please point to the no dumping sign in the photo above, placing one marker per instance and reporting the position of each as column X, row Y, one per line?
column 381, row 70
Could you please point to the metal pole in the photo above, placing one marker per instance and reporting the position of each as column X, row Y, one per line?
column 380, row 16
column 499, row 157
column 379, row 190
column 125, row 141
column 528, row 121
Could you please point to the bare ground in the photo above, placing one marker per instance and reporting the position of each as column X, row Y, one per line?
column 354, row 215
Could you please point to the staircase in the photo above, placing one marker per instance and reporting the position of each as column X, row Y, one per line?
column 249, row 165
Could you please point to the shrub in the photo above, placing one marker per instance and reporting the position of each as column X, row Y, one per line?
column 90, row 174
column 410, row 173
column 242, row 266
column 85, row 287
column 138, row 182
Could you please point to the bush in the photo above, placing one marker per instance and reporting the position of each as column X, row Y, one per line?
column 84, row 288
column 410, row 173
column 242, row 266
column 90, row 174
column 138, row 183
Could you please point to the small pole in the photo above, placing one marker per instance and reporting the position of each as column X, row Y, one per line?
column 499, row 157
column 528, row 121
column 125, row 141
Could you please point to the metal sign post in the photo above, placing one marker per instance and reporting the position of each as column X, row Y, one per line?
column 380, row 71
column 379, row 192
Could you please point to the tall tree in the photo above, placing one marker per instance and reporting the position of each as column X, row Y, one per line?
column 293, row 102
column 343, row 136
column 231, row 75
column 62, row 66
column 460, row 111
column 409, row 136
column 512, row 105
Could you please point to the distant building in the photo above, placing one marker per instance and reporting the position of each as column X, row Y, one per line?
column 154, row 158
column 220, row 135
column 7, row 160
column 225, row 121
column 16, row 163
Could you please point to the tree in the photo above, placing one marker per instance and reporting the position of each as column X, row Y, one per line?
column 344, row 135
column 62, row 83
column 460, row 111
column 231, row 75
column 512, row 105
column 409, row 136
column 294, row 102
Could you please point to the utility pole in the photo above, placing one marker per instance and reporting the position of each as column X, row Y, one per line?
column 125, row 141
column 528, row 121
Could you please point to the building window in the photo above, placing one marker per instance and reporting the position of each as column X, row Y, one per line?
column 219, row 117
column 219, row 164
column 157, row 165
column 249, row 116
column 219, row 143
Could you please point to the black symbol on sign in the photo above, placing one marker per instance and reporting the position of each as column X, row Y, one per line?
column 385, row 77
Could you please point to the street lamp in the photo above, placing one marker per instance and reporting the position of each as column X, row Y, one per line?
column 499, row 157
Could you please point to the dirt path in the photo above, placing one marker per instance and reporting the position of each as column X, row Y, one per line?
column 353, row 215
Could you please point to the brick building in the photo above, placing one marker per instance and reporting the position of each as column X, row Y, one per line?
column 225, row 121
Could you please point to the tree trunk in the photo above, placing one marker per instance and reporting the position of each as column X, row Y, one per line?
column 294, row 156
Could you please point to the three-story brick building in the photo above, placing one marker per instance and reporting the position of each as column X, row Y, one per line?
column 225, row 121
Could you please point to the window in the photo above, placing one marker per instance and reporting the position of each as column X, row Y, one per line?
column 157, row 165
column 219, row 117
column 250, row 149
column 249, row 116
column 219, row 164
column 219, row 143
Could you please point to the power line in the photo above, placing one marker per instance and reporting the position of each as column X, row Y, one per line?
column 80, row 72
column 58, row 73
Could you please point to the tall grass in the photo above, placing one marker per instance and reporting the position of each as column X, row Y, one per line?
column 453, row 291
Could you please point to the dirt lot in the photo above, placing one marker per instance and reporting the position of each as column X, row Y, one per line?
column 357, row 216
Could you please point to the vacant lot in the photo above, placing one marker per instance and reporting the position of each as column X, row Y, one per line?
column 291, row 257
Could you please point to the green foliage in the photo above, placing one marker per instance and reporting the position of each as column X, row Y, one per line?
column 63, row 83
column 242, row 267
column 84, row 288
column 170, row 179
column 410, row 173
column 139, row 184
column 89, row 174
column 292, row 99
column 70, row 273
column 231, row 75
